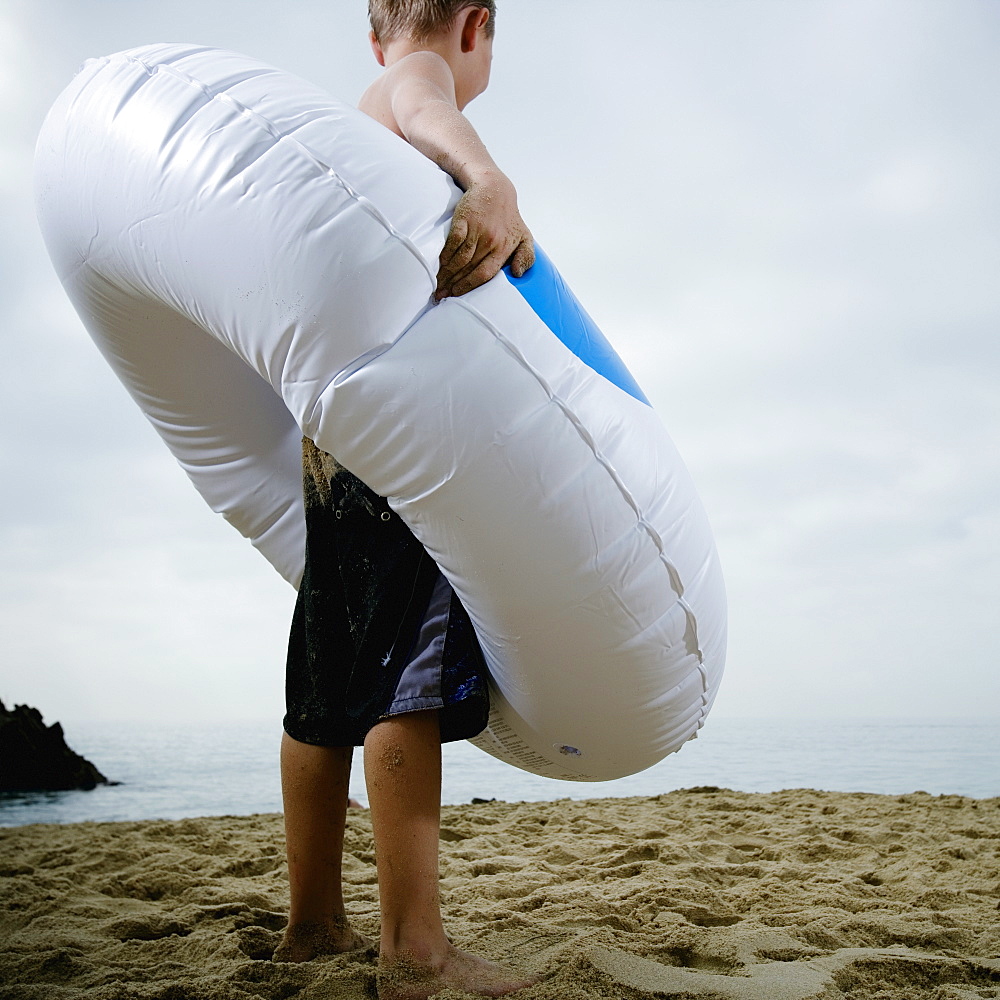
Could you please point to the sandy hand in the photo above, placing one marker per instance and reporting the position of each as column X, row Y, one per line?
column 486, row 231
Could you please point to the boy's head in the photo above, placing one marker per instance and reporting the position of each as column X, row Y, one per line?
column 420, row 20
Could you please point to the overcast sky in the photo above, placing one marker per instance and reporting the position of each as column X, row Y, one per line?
column 784, row 213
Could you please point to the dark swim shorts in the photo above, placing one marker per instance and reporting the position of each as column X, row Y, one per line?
column 377, row 630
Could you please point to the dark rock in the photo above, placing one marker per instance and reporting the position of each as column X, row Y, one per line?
column 34, row 757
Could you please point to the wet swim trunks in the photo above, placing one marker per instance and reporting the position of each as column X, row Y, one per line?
column 377, row 630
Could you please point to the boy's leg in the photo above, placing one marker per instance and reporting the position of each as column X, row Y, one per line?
column 416, row 959
column 314, row 785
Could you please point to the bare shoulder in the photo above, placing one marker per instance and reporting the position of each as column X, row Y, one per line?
column 417, row 77
column 420, row 75
column 424, row 63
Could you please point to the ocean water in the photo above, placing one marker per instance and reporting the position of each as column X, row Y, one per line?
column 175, row 771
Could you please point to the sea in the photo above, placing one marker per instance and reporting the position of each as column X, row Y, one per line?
column 173, row 771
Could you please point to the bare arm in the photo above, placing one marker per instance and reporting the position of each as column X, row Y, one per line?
column 487, row 230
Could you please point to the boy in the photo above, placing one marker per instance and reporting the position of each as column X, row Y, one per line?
column 370, row 587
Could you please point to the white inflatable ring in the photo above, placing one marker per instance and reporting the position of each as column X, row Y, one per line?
column 256, row 261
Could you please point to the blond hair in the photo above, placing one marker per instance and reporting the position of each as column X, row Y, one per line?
column 420, row 19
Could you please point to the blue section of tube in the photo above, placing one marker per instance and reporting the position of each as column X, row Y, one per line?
column 558, row 308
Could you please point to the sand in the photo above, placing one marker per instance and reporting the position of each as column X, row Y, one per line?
column 704, row 893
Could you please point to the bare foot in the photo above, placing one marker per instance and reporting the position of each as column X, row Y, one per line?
column 404, row 978
column 310, row 940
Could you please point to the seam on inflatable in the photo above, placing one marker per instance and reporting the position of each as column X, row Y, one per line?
column 310, row 420
column 675, row 582
column 279, row 136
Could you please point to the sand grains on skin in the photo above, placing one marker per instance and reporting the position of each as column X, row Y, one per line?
column 708, row 893
column 307, row 941
column 405, row 978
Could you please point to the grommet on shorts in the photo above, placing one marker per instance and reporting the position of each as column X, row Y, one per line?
column 338, row 514
column 386, row 515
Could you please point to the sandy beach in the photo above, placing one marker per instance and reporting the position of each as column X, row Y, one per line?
column 701, row 893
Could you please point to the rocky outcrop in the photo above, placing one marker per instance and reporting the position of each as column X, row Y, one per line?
column 34, row 757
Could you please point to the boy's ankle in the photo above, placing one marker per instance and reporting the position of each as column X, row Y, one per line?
column 305, row 940
column 420, row 953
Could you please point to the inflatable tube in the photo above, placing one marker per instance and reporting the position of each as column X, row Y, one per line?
column 257, row 261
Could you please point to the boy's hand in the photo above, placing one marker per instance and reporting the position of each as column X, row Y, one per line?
column 416, row 98
column 487, row 231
